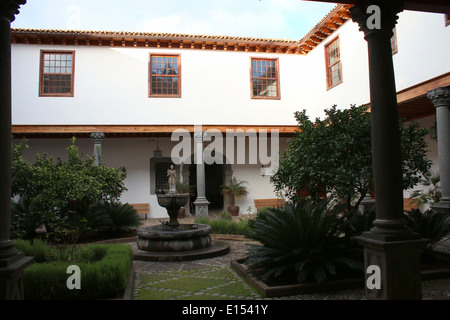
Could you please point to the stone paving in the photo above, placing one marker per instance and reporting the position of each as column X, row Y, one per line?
column 160, row 276
column 214, row 279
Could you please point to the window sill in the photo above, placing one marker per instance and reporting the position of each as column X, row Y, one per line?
column 265, row 98
column 165, row 96
column 334, row 85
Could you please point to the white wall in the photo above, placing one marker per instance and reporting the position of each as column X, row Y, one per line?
column 423, row 48
column 111, row 87
column 355, row 86
column 423, row 53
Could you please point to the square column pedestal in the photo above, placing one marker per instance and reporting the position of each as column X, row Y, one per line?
column 398, row 263
column 11, row 272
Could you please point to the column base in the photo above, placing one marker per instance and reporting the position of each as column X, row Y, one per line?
column 11, row 274
column 442, row 206
column 399, row 263
column 201, row 207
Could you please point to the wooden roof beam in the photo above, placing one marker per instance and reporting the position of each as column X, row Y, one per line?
column 337, row 19
column 321, row 35
column 315, row 39
column 326, row 30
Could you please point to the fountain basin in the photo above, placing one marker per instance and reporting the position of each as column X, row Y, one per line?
column 173, row 202
column 167, row 238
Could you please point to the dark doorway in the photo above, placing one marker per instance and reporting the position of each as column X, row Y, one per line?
column 213, row 180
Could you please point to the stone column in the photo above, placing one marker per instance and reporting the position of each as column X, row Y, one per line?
column 201, row 203
column 184, row 175
column 441, row 100
column 227, row 177
column 97, row 137
column 12, row 262
column 389, row 245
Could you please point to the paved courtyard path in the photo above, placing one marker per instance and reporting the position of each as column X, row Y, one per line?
column 214, row 279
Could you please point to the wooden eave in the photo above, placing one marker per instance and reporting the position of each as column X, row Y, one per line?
column 413, row 102
column 330, row 23
column 152, row 40
column 132, row 131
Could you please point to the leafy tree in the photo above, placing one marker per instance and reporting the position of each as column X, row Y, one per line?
column 334, row 156
column 51, row 190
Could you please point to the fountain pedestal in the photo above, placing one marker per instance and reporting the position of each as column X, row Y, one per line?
column 173, row 241
column 173, row 202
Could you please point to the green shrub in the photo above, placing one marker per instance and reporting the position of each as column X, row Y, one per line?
column 123, row 216
column 50, row 187
column 333, row 155
column 432, row 225
column 225, row 225
column 105, row 270
column 303, row 242
column 38, row 249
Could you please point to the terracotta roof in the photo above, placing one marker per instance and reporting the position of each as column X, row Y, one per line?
column 145, row 35
column 332, row 21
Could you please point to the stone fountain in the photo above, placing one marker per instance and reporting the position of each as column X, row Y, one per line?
column 172, row 241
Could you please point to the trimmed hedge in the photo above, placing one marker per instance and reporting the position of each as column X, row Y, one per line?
column 105, row 270
column 225, row 226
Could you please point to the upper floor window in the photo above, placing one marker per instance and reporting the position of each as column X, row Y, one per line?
column 265, row 80
column 165, row 76
column 333, row 63
column 56, row 75
column 394, row 41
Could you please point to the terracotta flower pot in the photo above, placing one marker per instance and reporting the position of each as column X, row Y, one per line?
column 181, row 212
column 234, row 210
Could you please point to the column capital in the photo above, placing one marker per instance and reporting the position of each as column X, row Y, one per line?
column 9, row 8
column 199, row 136
column 379, row 20
column 97, row 137
column 440, row 96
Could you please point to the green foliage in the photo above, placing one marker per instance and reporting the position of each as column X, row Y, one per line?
column 236, row 189
column 23, row 221
column 224, row 225
column 432, row 225
column 49, row 189
column 333, row 157
column 37, row 249
column 117, row 217
column 305, row 241
column 105, row 270
column 430, row 191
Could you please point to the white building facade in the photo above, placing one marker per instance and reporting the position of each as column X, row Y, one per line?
column 138, row 88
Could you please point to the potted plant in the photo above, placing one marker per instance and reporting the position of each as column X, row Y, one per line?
column 236, row 189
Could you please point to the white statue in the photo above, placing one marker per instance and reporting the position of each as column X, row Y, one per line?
column 171, row 173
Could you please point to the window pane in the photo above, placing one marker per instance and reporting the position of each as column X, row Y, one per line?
column 264, row 78
column 57, row 70
column 334, row 64
column 164, row 71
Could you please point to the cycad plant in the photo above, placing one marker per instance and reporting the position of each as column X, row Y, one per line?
column 302, row 240
column 431, row 224
column 123, row 216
